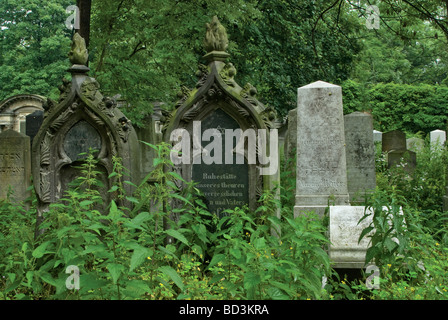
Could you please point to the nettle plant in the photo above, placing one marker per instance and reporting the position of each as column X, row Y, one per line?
column 167, row 246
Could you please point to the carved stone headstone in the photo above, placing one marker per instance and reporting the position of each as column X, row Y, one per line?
column 15, row 165
column 321, row 157
column 217, row 112
column 360, row 155
column 82, row 120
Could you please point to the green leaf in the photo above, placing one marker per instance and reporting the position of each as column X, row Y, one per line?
column 217, row 258
column 138, row 256
column 133, row 200
column 251, row 280
column 177, row 235
column 235, row 252
column 41, row 250
column 115, row 270
column 364, row 232
column 170, row 272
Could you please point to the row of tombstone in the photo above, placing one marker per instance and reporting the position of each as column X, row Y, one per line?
column 335, row 154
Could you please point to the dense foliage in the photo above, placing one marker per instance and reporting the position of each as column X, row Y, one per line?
column 409, row 108
column 156, row 251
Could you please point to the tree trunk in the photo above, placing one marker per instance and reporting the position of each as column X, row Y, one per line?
column 84, row 19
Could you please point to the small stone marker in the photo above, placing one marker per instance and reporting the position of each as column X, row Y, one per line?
column 394, row 144
column 437, row 138
column 15, row 164
column 321, row 159
column 360, row 155
column 377, row 136
column 415, row 144
column 345, row 251
column 394, row 141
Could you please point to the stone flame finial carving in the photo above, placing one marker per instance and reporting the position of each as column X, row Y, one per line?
column 216, row 36
column 78, row 53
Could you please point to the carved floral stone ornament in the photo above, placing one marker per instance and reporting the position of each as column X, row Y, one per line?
column 80, row 120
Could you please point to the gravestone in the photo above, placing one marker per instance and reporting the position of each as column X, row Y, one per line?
column 15, row 165
column 219, row 124
column 81, row 120
column 377, row 136
column 437, row 139
column 291, row 135
column 394, row 141
column 394, row 145
column 415, row 144
column 33, row 122
column 345, row 249
column 13, row 111
column 321, row 156
column 360, row 155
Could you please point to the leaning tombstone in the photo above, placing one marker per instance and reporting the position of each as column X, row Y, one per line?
column 81, row 120
column 321, row 156
column 225, row 134
column 15, row 165
column 377, row 136
column 360, row 155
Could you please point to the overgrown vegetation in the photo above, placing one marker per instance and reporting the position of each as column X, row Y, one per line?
column 170, row 247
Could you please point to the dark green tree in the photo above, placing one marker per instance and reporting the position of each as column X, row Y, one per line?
column 34, row 42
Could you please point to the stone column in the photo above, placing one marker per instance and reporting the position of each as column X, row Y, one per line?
column 321, row 159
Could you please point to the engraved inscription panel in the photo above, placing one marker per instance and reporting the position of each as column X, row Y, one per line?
column 80, row 138
column 14, row 164
column 225, row 186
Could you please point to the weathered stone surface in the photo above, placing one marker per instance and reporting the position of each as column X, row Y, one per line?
column 377, row 136
column 345, row 228
column 14, row 110
column 345, row 251
column 415, row 144
column 219, row 102
column 321, row 156
column 394, row 141
column 437, row 138
column 15, row 165
column 81, row 119
column 360, row 155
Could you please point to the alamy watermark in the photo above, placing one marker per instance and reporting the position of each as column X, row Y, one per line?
column 72, row 21
column 72, row 281
column 257, row 147
column 373, row 280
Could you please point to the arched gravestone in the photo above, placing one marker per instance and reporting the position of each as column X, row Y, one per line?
column 81, row 120
column 15, row 109
column 218, row 104
column 223, row 185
